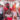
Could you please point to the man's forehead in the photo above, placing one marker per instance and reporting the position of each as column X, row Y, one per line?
column 7, row 4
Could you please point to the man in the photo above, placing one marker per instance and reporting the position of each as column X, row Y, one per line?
column 7, row 11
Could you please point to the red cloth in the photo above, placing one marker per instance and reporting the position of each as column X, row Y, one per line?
column 11, row 9
column 9, row 18
column 5, row 8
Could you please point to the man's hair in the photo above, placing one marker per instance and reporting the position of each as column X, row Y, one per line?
column 7, row 4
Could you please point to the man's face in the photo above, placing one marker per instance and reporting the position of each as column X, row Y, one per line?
column 7, row 6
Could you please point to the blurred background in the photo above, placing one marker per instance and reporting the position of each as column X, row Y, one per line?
column 9, row 9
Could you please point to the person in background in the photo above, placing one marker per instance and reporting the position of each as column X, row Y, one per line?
column 1, row 12
column 19, row 12
column 14, row 12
